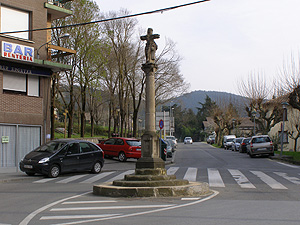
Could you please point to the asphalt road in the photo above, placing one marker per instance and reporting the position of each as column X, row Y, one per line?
column 246, row 191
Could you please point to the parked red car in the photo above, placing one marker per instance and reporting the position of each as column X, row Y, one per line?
column 122, row 148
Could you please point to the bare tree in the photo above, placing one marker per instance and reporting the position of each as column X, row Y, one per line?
column 257, row 90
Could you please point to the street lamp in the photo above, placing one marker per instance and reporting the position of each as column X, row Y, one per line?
column 64, row 36
column 284, row 106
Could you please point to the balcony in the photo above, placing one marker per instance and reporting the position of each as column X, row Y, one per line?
column 58, row 8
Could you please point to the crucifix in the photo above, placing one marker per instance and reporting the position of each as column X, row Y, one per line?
column 151, row 46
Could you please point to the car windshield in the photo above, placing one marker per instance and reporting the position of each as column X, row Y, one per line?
column 230, row 140
column 134, row 143
column 188, row 138
column 52, row 147
column 170, row 138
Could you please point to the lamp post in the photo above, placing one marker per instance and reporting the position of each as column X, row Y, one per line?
column 284, row 105
column 64, row 36
column 253, row 113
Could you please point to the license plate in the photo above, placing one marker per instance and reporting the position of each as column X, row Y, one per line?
column 261, row 149
column 28, row 166
column 138, row 149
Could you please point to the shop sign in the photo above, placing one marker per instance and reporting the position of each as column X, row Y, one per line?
column 18, row 52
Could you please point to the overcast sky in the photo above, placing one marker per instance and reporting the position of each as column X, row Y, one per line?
column 222, row 41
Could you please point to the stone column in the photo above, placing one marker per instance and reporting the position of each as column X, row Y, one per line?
column 150, row 142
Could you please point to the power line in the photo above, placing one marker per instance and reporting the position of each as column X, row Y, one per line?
column 110, row 19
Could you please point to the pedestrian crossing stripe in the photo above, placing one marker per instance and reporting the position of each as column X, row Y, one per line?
column 214, row 178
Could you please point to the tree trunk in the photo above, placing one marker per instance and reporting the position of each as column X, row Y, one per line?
column 83, row 104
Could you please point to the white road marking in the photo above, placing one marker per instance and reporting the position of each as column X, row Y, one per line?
column 45, row 180
column 69, row 217
column 88, row 202
column 214, row 178
column 191, row 174
column 96, row 177
column 294, row 180
column 36, row 212
column 241, row 179
column 289, row 165
column 268, row 180
column 70, row 179
column 215, row 193
column 172, row 170
column 121, row 176
column 110, row 207
column 189, row 199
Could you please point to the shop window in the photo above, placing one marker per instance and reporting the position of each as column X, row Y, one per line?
column 15, row 20
column 14, row 83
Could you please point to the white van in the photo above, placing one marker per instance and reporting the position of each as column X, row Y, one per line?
column 228, row 141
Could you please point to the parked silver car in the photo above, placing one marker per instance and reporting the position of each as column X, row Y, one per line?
column 260, row 145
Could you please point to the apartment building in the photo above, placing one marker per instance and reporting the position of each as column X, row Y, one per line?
column 25, row 76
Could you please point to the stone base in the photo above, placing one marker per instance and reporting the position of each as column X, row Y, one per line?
column 192, row 189
column 151, row 183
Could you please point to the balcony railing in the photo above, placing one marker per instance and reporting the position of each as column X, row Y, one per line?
column 60, row 3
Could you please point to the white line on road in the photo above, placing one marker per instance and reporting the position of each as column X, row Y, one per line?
column 292, row 166
column 241, row 179
column 214, row 178
column 96, row 177
column 70, row 179
column 89, row 202
column 294, row 180
column 44, row 180
column 191, row 174
column 110, row 207
column 68, row 217
column 268, row 180
column 172, row 170
column 121, row 176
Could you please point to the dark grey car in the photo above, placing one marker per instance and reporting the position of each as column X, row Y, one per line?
column 260, row 145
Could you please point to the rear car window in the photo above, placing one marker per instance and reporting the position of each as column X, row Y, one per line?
column 134, row 143
column 261, row 140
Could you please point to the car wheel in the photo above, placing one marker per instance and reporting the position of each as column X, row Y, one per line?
column 122, row 157
column 272, row 154
column 251, row 156
column 97, row 167
column 54, row 171
column 30, row 173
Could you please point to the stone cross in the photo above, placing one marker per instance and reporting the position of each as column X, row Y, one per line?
column 151, row 46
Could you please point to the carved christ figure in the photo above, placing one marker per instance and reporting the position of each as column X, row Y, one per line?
column 151, row 46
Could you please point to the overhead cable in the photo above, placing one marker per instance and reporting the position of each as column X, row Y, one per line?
column 110, row 19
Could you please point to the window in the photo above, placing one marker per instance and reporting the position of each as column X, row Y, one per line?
column 15, row 83
column 33, row 86
column 15, row 20
column 84, row 147
column 119, row 142
column 110, row 141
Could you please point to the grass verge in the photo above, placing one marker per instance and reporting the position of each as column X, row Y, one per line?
column 295, row 155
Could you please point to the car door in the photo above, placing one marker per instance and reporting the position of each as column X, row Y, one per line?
column 87, row 156
column 108, row 147
column 119, row 146
column 71, row 159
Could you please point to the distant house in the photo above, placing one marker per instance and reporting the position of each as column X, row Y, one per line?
column 292, row 123
column 243, row 129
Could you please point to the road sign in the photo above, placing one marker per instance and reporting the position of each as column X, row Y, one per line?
column 161, row 124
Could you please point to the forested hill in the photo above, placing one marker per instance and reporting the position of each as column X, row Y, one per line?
column 191, row 100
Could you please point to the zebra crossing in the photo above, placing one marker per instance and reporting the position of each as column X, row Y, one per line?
column 217, row 178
